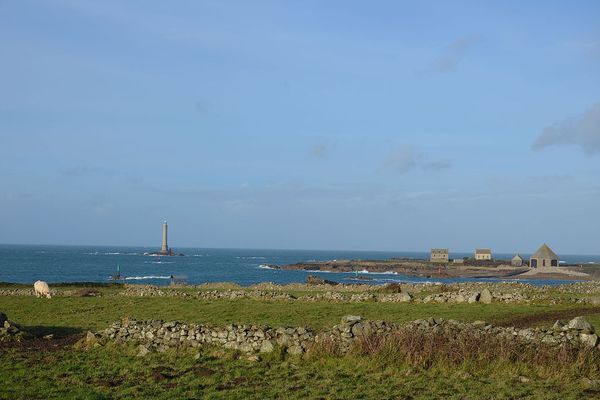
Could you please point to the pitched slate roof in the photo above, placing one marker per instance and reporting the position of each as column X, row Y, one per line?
column 439, row 250
column 545, row 252
column 483, row 251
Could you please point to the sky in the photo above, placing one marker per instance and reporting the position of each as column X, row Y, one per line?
column 366, row 125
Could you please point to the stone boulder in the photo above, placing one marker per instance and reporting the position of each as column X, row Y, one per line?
column 589, row 339
column 266, row 347
column 361, row 329
column 9, row 330
column 474, row 298
column 351, row 319
column 404, row 297
column 485, row 297
column 580, row 324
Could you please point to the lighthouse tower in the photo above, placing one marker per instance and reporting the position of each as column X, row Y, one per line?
column 165, row 246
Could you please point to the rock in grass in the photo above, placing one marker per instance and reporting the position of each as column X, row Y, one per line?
column 361, row 329
column 351, row 319
column 142, row 351
column 3, row 318
column 474, row 298
column 580, row 324
column 479, row 324
column 404, row 297
column 558, row 325
column 485, row 296
column 266, row 346
column 589, row 339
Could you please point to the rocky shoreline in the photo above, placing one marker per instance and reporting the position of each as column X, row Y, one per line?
column 427, row 269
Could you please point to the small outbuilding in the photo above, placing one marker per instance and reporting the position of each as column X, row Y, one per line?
column 517, row 261
column 483, row 254
column 544, row 257
column 439, row 255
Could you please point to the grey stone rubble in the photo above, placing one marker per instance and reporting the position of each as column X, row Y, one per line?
column 485, row 296
column 31, row 292
column 159, row 336
column 17, row 292
column 460, row 296
column 9, row 330
column 155, row 291
column 578, row 330
column 469, row 292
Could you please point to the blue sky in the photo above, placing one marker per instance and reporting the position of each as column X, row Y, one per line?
column 380, row 125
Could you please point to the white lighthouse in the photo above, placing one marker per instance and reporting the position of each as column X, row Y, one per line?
column 165, row 246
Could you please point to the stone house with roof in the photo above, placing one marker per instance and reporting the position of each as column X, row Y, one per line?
column 439, row 255
column 544, row 257
column 517, row 261
column 483, row 254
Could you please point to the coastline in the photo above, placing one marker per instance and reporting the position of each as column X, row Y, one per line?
column 426, row 269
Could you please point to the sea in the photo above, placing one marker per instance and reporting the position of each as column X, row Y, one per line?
column 28, row 263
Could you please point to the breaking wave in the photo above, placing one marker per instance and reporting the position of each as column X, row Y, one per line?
column 364, row 271
column 140, row 278
column 111, row 253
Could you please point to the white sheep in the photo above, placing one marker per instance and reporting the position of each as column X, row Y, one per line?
column 41, row 289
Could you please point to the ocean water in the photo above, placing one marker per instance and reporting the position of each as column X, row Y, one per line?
column 28, row 263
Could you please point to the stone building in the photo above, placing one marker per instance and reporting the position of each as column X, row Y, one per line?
column 543, row 257
column 483, row 254
column 439, row 255
column 517, row 261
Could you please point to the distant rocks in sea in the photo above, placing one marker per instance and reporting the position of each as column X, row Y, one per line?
column 315, row 280
column 169, row 253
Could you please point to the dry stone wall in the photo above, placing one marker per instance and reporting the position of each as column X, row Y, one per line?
column 160, row 335
column 460, row 296
column 157, row 335
column 467, row 292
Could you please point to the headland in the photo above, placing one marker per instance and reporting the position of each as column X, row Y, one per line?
column 469, row 269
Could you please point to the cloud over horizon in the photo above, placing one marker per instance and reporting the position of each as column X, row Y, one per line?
column 582, row 130
column 405, row 158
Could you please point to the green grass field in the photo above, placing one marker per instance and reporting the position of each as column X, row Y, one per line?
column 40, row 371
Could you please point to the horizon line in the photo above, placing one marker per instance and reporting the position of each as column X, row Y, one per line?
column 277, row 249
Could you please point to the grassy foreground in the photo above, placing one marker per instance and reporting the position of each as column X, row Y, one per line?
column 111, row 373
column 38, row 370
